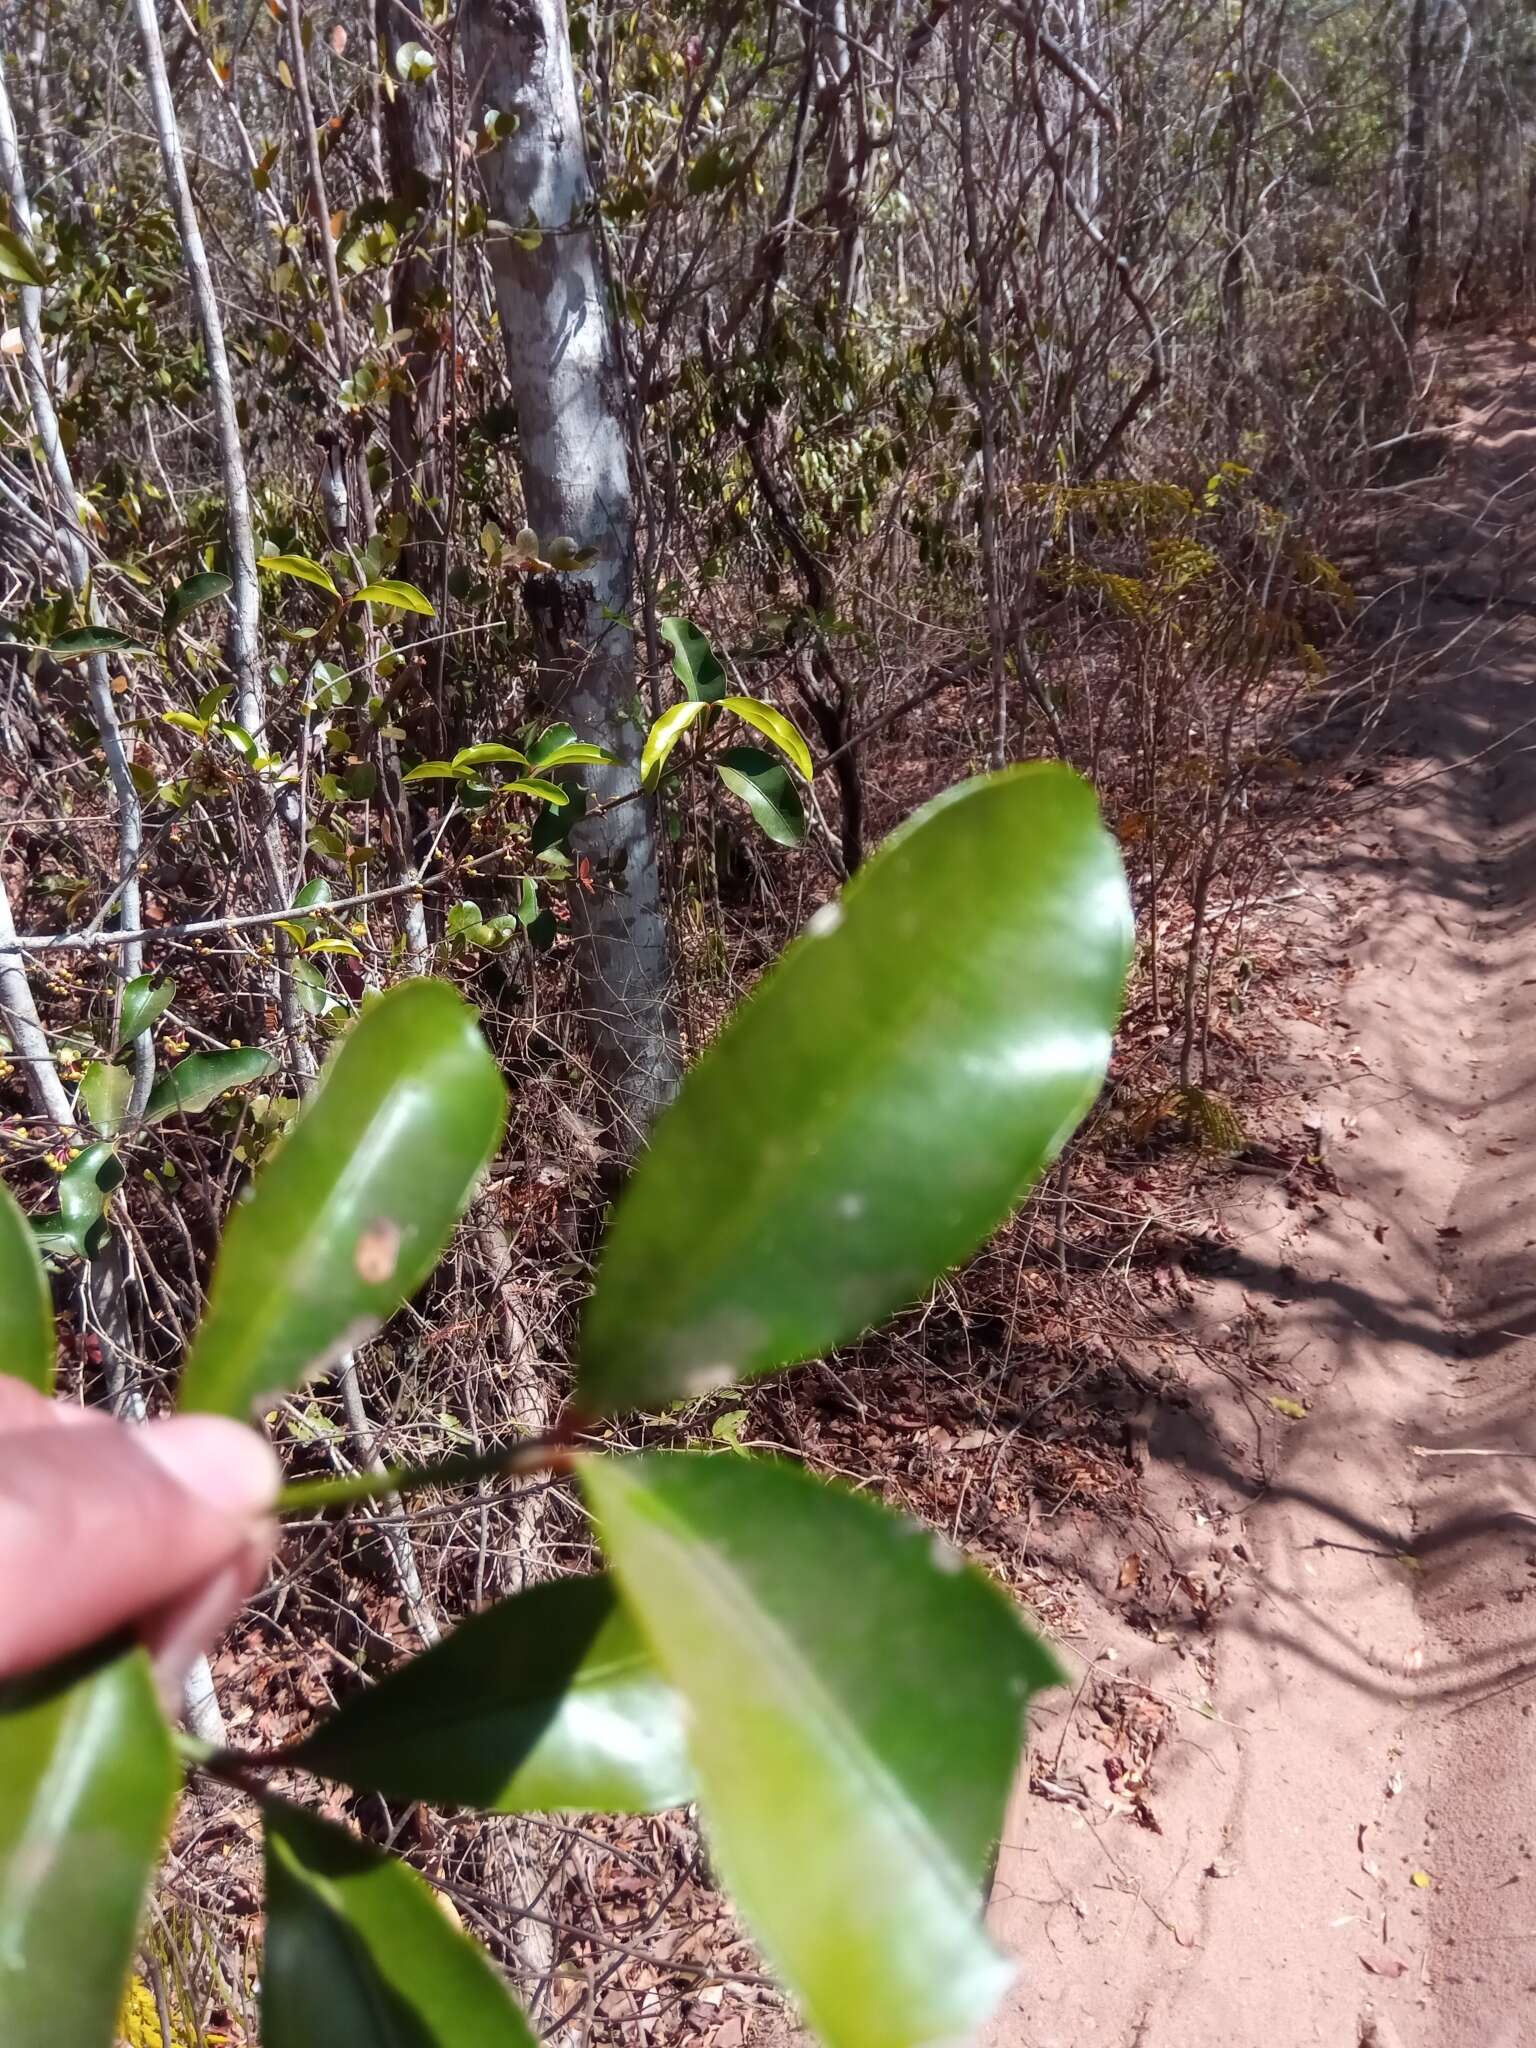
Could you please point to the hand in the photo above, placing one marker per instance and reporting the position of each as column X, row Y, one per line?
column 164, row 1529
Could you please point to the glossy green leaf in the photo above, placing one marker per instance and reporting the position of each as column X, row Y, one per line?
column 857, row 1695
column 105, row 1089
column 558, row 747
column 781, row 730
column 403, row 596
column 536, row 786
column 878, row 1105
column 489, row 752
column 202, row 1077
column 88, row 640
column 693, row 660
column 677, row 718
column 547, row 1701
column 191, row 596
column 26, row 1306
column 87, row 1781
column 351, row 1214
column 664, row 735
column 764, row 785
column 79, row 1227
column 359, row 1954
column 145, row 1002
column 577, row 754
column 433, row 771
column 19, row 261
column 301, row 568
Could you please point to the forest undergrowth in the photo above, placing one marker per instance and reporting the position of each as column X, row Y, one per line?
column 948, row 385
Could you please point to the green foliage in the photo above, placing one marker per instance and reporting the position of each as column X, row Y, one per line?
column 145, row 1002
column 87, row 1780
column 78, row 1228
column 854, row 1752
column 26, row 1308
column 202, row 1077
column 764, row 786
column 547, row 1701
column 190, row 597
column 873, row 1109
column 693, row 661
column 351, row 1214
column 893, row 1086
column 359, row 1952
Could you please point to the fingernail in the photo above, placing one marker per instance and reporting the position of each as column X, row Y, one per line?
column 222, row 1463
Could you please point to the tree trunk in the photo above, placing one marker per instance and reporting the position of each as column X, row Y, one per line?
column 416, row 144
column 1415, row 171
column 562, row 369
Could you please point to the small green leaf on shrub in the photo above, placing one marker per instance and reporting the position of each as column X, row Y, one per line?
column 432, row 771
column 191, row 596
column 693, row 660
column 87, row 1780
column 545, row 1702
column 764, row 786
column 664, row 735
column 26, row 1306
column 88, row 640
column 18, row 260
column 80, row 1225
column 145, row 1002
column 558, row 747
column 202, row 1077
column 536, row 786
column 488, row 753
column 360, row 1955
column 301, row 568
column 857, row 1696
column 403, row 596
column 878, row 1105
column 781, row 730
column 350, row 1215
column 105, row 1089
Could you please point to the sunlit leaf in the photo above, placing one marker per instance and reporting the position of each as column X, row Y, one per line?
column 202, row 1077
column 301, row 568
column 536, row 786
column 778, row 728
column 105, row 1089
column 487, row 754
column 664, row 735
column 433, row 771
column 882, row 1100
column 403, row 596
column 857, row 1696
column 351, row 1214
column 547, row 1701
column 359, row 1954
column 764, row 785
column 18, row 260
column 87, row 1779
column 26, row 1307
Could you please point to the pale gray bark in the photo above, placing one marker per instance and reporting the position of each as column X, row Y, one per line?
column 562, row 367
column 240, row 533
column 130, row 830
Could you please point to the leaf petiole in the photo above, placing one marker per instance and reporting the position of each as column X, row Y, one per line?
column 313, row 1496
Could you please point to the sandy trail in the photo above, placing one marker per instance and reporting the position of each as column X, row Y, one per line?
column 1346, row 1771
